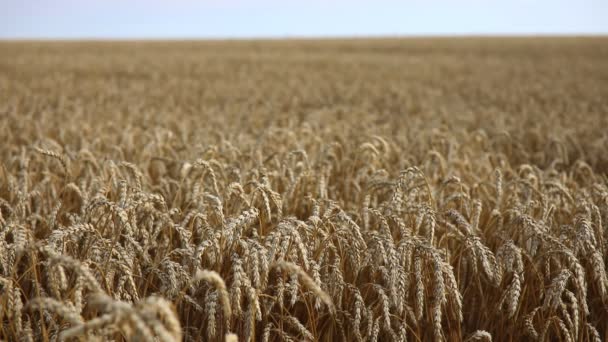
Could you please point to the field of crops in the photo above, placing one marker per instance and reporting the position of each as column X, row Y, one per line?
column 337, row 190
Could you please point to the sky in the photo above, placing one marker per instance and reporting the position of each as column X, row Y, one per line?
column 131, row 19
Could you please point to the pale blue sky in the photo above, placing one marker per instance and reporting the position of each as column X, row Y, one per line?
column 284, row 18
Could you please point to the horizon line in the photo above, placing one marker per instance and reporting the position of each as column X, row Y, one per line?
column 307, row 37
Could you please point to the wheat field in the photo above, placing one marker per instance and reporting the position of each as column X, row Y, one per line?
column 300, row 190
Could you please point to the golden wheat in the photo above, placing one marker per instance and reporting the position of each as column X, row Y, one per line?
column 356, row 190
